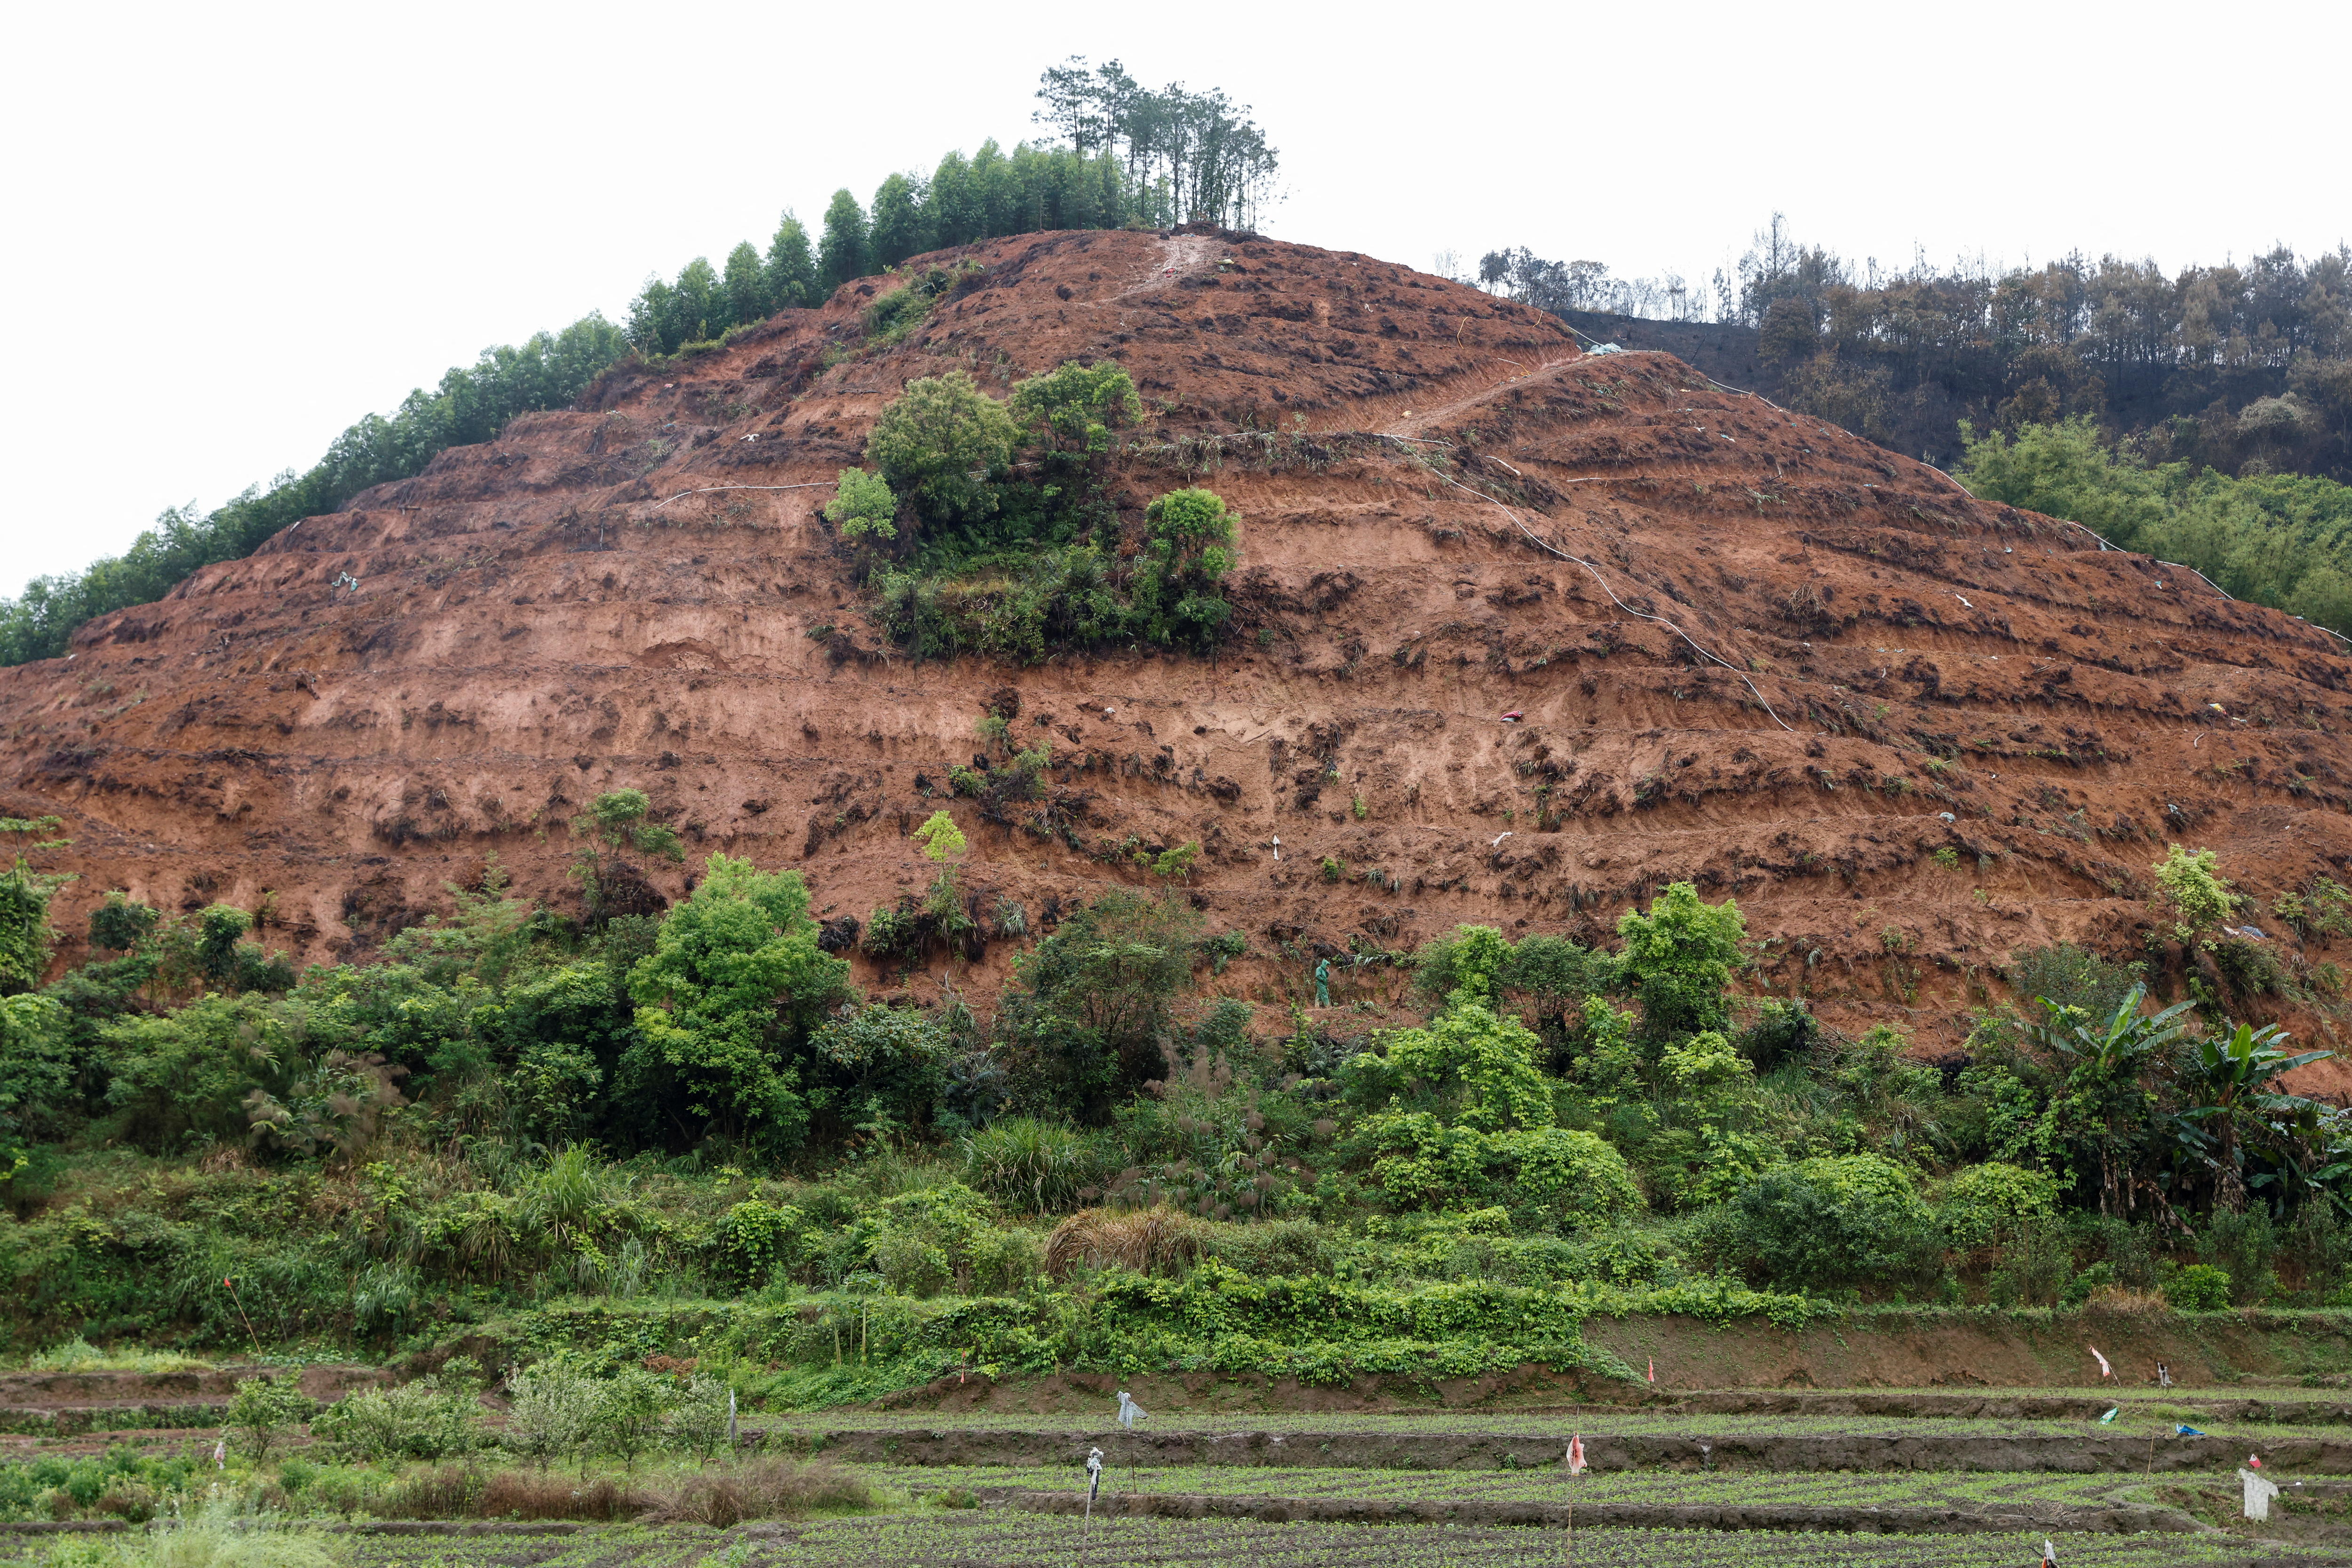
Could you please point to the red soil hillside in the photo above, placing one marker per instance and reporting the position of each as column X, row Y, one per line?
column 1853, row 666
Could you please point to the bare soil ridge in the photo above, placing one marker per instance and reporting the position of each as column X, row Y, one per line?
column 1994, row 724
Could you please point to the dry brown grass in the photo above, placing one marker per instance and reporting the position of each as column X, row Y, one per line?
column 1148, row 1241
column 454, row 1491
column 764, row 1488
column 2124, row 1302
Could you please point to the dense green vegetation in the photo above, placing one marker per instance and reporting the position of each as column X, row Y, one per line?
column 2283, row 540
column 1134, row 157
column 987, row 530
column 614, row 1134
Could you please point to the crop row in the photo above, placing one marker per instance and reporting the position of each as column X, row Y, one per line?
column 1029, row 1540
column 1823, row 1489
column 2143, row 1421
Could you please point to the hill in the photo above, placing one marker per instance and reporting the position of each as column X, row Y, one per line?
column 1909, row 731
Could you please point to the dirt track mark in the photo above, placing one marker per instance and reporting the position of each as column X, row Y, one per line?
column 1417, row 423
column 1179, row 256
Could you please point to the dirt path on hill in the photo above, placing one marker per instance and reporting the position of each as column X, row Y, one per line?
column 1419, row 421
column 1181, row 255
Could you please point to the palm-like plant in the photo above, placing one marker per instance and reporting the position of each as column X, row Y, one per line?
column 2229, row 1081
column 2110, row 1093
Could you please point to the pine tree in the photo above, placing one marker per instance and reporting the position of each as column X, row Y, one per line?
column 791, row 271
column 842, row 253
column 897, row 221
column 746, row 285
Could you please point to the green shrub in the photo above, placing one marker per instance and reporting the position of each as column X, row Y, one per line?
column 2065, row 975
column 550, row 1412
column 863, row 507
column 890, row 932
column 264, row 1410
column 943, row 444
column 434, row 1417
column 1679, row 958
column 1983, row 1203
column 1042, row 1165
column 1832, row 1221
column 2200, row 1287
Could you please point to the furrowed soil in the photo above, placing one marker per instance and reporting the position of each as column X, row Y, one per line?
column 1911, row 733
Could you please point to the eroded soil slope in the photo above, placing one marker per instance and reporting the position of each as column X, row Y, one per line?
column 1910, row 732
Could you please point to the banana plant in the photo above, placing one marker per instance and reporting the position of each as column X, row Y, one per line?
column 2229, row 1080
column 2110, row 1097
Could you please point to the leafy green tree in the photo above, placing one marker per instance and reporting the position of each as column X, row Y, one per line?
column 955, row 207
column 697, row 1418
column 897, row 221
column 1678, row 959
column 185, row 1077
column 1471, row 1066
column 2200, row 896
column 1981, row 1204
column 1074, row 410
column 118, row 924
column 885, row 1068
column 843, row 255
column 790, row 271
column 549, row 1411
column 616, row 821
column 942, row 444
column 728, row 999
column 1087, row 1018
column 746, row 286
column 25, row 934
column 37, row 1063
column 263, row 1411
column 942, row 839
column 863, row 507
column 631, row 1408
column 1186, row 552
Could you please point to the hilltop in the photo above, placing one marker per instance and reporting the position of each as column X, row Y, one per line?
column 1909, row 731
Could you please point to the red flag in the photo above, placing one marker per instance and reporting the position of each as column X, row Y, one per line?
column 1576, row 1454
column 1654, row 1368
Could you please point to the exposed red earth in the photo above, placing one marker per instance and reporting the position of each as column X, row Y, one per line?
column 1751, row 651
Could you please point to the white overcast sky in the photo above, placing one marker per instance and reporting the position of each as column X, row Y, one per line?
column 236, row 228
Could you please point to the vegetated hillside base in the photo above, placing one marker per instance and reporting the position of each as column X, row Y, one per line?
column 1911, row 733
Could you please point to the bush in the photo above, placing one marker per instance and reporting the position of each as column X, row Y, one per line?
column 1678, row 959
column 943, row 444
column 1088, row 1016
column 1983, row 1203
column 2065, row 975
column 1040, row 1164
column 438, row 1417
column 263, row 1411
column 550, row 1412
column 863, row 507
column 1782, row 1029
column 2200, row 1287
column 1831, row 1221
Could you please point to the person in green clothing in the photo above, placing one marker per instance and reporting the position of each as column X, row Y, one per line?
column 1323, row 983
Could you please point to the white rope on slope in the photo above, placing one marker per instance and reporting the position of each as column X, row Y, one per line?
column 1547, row 544
column 707, row 490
